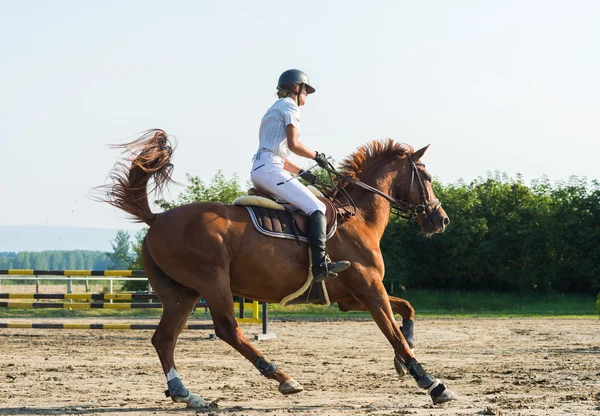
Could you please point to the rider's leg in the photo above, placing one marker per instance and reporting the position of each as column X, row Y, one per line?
column 274, row 179
column 322, row 266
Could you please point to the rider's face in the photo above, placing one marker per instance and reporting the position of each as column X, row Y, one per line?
column 302, row 95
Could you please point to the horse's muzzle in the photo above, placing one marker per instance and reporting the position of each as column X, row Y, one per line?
column 440, row 221
column 436, row 222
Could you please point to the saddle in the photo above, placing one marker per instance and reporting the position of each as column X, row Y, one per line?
column 277, row 218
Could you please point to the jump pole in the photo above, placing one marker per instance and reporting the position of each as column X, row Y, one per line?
column 116, row 273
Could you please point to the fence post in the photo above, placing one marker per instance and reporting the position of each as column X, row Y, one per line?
column 265, row 325
column 242, row 300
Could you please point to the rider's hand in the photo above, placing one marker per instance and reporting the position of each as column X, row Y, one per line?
column 308, row 176
column 321, row 160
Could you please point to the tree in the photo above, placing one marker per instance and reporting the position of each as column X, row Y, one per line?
column 219, row 189
column 503, row 236
column 120, row 257
column 136, row 263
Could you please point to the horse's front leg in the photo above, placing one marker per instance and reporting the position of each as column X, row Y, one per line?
column 374, row 297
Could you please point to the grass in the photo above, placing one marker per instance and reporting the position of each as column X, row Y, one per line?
column 427, row 304
column 430, row 302
column 455, row 304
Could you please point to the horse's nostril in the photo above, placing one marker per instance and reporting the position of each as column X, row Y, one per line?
column 446, row 220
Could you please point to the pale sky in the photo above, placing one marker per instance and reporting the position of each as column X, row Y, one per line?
column 503, row 85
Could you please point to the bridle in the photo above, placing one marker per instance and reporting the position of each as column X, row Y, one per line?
column 399, row 207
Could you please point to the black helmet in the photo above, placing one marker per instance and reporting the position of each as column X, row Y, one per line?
column 294, row 77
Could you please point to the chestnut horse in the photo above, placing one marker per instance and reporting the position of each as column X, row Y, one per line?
column 211, row 250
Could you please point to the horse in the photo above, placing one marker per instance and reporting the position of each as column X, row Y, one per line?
column 211, row 250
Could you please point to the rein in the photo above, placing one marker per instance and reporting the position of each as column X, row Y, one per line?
column 399, row 207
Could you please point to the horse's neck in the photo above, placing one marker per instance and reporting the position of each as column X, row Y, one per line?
column 372, row 209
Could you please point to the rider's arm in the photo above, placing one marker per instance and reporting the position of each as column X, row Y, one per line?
column 291, row 167
column 295, row 145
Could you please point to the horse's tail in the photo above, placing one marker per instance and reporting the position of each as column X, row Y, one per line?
column 150, row 158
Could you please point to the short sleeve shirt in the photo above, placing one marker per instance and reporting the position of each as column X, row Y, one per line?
column 272, row 135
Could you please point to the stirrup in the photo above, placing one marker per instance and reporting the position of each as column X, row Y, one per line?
column 337, row 266
column 330, row 269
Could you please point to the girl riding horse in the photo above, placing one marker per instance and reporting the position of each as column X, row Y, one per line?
column 272, row 170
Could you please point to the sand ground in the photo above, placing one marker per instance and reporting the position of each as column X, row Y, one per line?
column 495, row 366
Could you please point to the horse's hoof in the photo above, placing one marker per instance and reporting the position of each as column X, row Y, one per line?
column 191, row 400
column 400, row 366
column 446, row 396
column 290, row 387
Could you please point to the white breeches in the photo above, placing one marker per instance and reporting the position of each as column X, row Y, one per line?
column 267, row 173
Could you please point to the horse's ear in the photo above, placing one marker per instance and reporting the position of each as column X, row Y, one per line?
column 419, row 153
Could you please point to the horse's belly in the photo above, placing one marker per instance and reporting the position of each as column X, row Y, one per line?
column 268, row 269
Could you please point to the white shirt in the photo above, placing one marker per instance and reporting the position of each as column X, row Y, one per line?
column 271, row 136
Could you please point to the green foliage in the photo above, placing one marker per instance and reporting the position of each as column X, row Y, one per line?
column 503, row 236
column 324, row 177
column 120, row 258
column 136, row 261
column 136, row 264
column 55, row 260
column 219, row 189
column 598, row 302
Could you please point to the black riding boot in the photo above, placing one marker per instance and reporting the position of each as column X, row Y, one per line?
column 322, row 266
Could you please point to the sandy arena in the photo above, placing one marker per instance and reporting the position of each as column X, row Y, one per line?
column 495, row 366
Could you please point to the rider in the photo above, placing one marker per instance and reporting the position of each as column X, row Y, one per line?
column 272, row 171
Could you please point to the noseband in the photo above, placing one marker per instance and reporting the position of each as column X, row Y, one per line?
column 400, row 207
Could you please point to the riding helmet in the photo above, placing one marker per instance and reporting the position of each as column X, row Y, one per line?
column 294, row 77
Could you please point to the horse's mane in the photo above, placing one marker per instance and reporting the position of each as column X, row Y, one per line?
column 357, row 162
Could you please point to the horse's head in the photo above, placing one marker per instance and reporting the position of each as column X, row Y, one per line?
column 393, row 171
column 423, row 206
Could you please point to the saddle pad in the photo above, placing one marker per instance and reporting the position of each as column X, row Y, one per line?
column 278, row 224
column 275, row 223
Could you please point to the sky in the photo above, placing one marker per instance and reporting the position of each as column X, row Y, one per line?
column 508, row 86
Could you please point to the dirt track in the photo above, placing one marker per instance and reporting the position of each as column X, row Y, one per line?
column 508, row 367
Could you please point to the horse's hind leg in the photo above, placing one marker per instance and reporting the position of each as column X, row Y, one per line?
column 220, row 302
column 178, row 302
column 400, row 306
